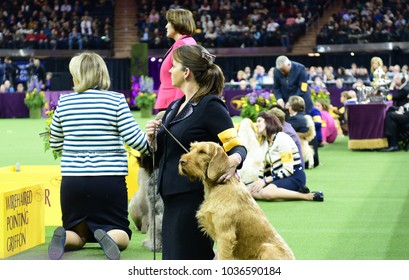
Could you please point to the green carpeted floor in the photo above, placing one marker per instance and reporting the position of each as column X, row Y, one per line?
column 365, row 215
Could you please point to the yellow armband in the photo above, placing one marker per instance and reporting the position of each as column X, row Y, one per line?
column 286, row 157
column 229, row 139
column 304, row 87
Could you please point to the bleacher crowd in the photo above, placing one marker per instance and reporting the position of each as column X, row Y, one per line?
column 236, row 23
column 367, row 22
column 56, row 24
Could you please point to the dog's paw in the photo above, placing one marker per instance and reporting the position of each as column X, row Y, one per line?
column 148, row 244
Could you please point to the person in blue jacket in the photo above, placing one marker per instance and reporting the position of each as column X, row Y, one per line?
column 290, row 78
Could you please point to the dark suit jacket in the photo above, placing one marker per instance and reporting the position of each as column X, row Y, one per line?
column 293, row 84
column 201, row 121
column 402, row 96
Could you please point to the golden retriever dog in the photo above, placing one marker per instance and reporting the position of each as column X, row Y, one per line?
column 305, row 138
column 228, row 214
column 254, row 160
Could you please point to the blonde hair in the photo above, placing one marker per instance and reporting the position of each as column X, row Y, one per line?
column 376, row 59
column 89, row 71
column 346, row 94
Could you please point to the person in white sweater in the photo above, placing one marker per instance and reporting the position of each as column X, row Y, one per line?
column 282, row 175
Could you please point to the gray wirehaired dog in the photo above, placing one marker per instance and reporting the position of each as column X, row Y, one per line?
column 146, row 205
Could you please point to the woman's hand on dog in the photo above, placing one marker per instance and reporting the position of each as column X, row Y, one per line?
column 234, row 161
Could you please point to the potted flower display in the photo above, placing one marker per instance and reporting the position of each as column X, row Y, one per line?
column 320, row 93
column 255, row 102
column 35, row 101
column 143, row 95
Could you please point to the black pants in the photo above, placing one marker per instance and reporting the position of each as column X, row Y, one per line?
column 182, row 239
column 394, row 124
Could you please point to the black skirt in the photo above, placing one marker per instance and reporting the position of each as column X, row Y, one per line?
column 100, row 201
column 181, row 237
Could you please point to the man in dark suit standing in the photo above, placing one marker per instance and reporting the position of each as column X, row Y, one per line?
column 290, row 78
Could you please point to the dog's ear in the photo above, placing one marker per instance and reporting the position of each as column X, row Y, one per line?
column 218, row 164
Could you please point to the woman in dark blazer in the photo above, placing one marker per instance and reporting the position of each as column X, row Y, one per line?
column 198, row 116
column 180, row 27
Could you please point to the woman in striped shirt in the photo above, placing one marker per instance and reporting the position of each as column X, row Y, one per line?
column 89, row 127
column 282, row 176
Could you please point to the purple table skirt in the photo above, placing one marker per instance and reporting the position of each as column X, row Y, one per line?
column 367, row 121
column 12, row 104
column 366, row 125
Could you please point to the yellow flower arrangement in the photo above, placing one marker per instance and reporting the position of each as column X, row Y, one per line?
column 255, row 102
column 145, row 100
column 35, row 99
column 319, row 93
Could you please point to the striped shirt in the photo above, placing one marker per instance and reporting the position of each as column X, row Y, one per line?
column 280, row 158
column 90, row 128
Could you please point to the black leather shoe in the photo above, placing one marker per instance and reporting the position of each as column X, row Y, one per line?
column 109, row 246
column 318, row 196
column 391, row 149
column 305, row 189
column 56, row 246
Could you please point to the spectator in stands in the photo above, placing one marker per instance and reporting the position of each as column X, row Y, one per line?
column 12, row 71
column 269, row 78
column 290, row 78
column 20, row 87
column 396, row 121
column 42, row 40
column 211, row 38
column 339, row 83
column 8, row 88
column 66, row 7
column 75, row 39
column 180, row 27
column 146, row 35
column 36, row 75
column 47, row 83
column 240, row 76
column 62, row 40
column 397, row 117
column 401, row 83
column 86, row 29
column 53, row 41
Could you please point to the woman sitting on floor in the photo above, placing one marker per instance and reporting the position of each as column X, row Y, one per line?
column 282, row 176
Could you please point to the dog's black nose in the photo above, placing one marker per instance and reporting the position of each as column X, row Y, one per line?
column 182, row 161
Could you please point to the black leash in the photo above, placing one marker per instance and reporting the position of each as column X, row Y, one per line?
column 153, row 148
column 174, row 138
